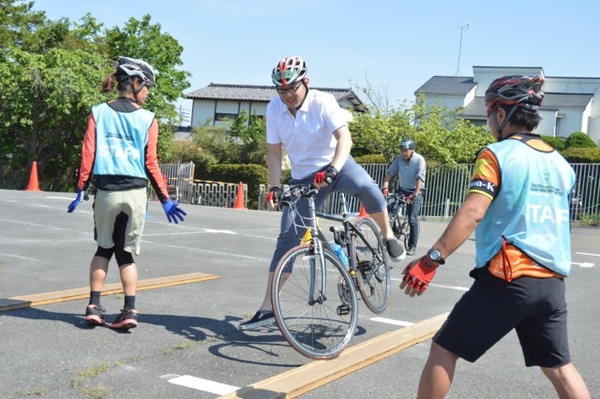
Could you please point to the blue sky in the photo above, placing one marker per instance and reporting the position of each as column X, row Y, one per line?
column 393, row 46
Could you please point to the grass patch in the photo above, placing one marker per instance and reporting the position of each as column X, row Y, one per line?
column 589, row 220
column 90, row 372
column 99, row 391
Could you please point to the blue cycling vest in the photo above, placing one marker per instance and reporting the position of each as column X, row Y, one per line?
column 121, row 139
column 531, row 209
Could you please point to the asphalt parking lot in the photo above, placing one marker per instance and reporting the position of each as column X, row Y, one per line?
column 187, row 344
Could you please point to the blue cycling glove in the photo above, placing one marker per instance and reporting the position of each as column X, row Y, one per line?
column 76, row 202
column 173, row 211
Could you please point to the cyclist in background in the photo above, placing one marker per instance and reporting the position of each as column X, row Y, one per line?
column 313, row 130
column 518, row 205
column 410, row 169
column 119, row 150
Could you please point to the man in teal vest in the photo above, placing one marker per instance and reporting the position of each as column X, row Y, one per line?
column 518, row 205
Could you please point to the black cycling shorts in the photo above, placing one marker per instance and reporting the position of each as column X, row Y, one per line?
column 535, row 307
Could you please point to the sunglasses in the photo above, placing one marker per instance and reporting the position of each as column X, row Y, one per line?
column 288, row 90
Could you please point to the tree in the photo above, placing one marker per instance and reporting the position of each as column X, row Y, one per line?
column 252, row 131
column 440, row 135
column 141, row 39
column 44, row 102
column 50, row 72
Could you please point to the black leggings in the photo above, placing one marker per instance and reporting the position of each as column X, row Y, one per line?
column 123, row 257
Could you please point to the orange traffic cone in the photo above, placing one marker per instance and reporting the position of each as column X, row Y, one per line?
column 363, row 212
column 239, row 199
column 33, row 179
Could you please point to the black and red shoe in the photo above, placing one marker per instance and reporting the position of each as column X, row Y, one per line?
column 127, row 320
column 94, row 315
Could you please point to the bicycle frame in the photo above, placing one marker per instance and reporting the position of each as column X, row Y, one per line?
column 317, row 240
column 315, row 325
column 349, row 229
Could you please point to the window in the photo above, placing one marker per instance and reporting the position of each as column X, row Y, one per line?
column 221, row 117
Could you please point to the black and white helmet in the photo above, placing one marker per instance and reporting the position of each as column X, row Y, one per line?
column 132, row 67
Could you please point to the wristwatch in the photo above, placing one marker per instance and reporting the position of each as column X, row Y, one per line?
column 435, row 256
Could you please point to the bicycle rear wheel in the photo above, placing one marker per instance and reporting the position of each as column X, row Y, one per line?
column 374, row 282
column 311, row 313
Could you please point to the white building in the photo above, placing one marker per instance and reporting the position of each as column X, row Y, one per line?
column 568, row 104
column 215, row 102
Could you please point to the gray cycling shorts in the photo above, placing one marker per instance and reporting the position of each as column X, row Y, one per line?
column 108, row 205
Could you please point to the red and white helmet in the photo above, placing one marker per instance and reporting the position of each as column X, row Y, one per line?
column 288, row 71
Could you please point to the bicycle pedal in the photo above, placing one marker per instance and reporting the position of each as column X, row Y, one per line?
column 343, row 310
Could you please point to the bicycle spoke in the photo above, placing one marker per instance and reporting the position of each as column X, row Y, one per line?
column 373, row 266
column 315, row 329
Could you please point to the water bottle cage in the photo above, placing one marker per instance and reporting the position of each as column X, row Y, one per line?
column 339, row 236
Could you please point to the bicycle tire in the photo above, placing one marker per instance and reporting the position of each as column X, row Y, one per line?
column 373, row 264
column 316, row 330
column 404, row 233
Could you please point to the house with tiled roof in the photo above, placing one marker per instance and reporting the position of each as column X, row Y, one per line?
column 568, row 104
column 216, row 102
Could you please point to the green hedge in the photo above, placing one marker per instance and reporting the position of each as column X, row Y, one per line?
column 371, row 158
column 582, row 155
column 251, row 174
column 556, row 142
column 580, row 140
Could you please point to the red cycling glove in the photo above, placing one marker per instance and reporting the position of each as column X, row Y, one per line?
column 274, row 195
column 326, row 176
column 385, row 192
column 418, row 274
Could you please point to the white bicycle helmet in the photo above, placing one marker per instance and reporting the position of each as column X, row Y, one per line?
column 288, row 71
column 132, row 67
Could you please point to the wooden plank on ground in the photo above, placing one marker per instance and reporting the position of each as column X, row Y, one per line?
column 73, row 294
column 298, row 381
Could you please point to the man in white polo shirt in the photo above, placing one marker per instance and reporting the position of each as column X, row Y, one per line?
column 313, row 130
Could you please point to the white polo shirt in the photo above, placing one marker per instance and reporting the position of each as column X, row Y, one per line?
column 308, row 138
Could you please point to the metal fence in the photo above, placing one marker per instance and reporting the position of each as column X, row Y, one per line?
column 184, row 189
column 446, row 189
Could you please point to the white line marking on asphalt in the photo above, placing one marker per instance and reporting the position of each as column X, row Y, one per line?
column 450, row 287
column 392, row 321
column 583, row 264
column 586, row 253
column 200, row 231
column 201, row 384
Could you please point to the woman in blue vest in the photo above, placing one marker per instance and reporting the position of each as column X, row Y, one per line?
column 518, row 205
column 119, row 151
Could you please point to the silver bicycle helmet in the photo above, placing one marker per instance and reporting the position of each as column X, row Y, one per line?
column 132, row 67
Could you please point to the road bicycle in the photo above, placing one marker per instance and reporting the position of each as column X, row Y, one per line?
column 398, row 218
column 314, row 294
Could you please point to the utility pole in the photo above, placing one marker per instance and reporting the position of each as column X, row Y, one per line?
column 462, row 28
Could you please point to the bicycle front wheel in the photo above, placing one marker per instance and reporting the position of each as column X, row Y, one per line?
column 372, row 261
column 315, row 304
